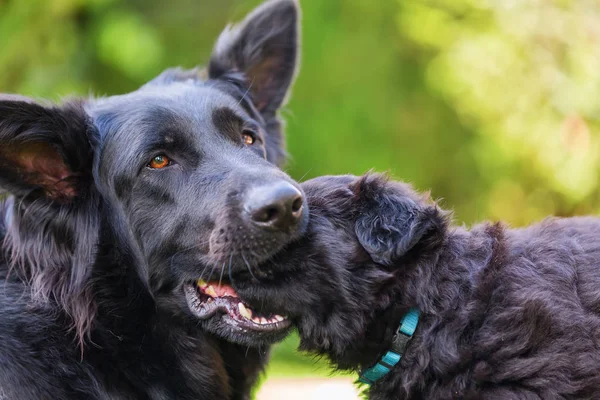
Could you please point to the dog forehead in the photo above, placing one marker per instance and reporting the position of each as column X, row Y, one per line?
column 184, row 100
column 183, row 107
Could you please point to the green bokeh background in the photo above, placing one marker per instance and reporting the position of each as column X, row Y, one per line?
column 493, row 105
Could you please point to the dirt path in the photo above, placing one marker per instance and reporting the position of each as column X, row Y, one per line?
column 308, row 389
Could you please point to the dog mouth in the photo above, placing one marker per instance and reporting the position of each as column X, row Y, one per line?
column 206, row 299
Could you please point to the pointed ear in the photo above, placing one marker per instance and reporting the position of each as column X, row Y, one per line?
column 393, row 218
column 45, row 152
column 265, row 49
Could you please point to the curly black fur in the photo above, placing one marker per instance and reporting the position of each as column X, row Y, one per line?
column 505, row 313
column 96, row 246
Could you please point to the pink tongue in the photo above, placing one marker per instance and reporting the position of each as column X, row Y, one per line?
column 225, row 290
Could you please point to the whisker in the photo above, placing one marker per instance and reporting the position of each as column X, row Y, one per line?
column 249, row 269
column 212, row 270
column 229, row 273
column 187, row 249
column 306, row 173
column 203, row 271
column 196, row 245
column 246, row 93
column 223, row 270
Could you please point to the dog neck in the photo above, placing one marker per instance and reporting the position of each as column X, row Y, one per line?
column 441, row 286
column 399, row 343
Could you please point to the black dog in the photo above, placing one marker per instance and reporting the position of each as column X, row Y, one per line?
column 117, row 206
column 505, row 314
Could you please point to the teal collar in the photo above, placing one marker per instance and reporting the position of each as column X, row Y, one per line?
column 392, row 357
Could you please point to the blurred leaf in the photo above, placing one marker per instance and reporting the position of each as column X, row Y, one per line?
column 128, row 44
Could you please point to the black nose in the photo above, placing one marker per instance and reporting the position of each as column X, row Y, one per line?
column 277, row 206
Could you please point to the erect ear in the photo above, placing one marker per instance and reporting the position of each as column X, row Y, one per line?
column 264, row 48
column 45, row 152
column 392, row 218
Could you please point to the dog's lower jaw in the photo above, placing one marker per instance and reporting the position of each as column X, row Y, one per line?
column 222, row 326
column 222, row 312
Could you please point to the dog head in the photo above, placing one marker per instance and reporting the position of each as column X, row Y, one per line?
column 363, row 236
column 179, row 176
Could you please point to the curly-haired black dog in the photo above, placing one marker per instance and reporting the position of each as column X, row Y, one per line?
column 504, row 313
column 115, row 207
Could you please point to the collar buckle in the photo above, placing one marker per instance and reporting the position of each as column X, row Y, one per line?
column 399, row 342
column 392, row 357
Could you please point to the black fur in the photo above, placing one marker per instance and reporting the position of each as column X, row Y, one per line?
column 97, row 247
column 505, row 313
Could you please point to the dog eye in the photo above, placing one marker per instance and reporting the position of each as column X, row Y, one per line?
column 159, row 161
column 248, row 137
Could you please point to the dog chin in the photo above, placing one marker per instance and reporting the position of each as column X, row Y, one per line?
column 222, row 313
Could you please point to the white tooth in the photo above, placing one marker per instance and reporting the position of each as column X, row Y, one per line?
column 263, row 320
column 210, row 291
column 201, row 283
column 210, row 299
column 279, row 318
column 245, row 312
column 256, row 320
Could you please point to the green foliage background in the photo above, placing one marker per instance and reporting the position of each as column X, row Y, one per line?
column 491, row 104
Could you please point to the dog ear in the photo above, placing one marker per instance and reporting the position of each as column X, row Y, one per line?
column 392, row 218
column 264, row 47
column 46, row 155
column 44, row 151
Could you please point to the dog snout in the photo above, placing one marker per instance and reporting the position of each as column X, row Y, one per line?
column 277, row 206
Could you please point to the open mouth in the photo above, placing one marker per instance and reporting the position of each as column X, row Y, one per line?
column 206, row 299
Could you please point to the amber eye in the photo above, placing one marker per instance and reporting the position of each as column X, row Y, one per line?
column 248, row 138
column 159, row 162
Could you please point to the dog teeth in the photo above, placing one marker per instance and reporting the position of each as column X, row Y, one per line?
column 201, row 283
column 245, row 312
column 210, row 291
